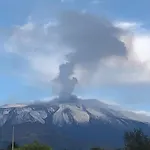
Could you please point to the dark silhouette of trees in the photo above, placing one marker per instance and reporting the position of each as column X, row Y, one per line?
column 9, row 147
column 133, row 140
column 136, row 140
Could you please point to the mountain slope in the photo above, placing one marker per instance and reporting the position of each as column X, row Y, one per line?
column 73, row 124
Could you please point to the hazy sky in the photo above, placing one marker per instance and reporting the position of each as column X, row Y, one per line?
column 30, row 55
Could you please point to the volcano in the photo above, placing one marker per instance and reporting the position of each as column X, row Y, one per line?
column 71, row 123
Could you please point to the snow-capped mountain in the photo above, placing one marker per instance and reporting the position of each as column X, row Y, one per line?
column 79, row 112
column 75, row 118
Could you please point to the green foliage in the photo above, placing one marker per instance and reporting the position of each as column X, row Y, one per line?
column 34, row 146
column 136, row 140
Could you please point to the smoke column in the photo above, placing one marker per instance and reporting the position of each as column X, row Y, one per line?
column 66, row 82
column 90, row 39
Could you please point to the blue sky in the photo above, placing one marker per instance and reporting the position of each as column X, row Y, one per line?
column 15, row 87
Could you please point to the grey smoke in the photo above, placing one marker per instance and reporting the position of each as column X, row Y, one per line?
column 90, row 38
column 67, row 84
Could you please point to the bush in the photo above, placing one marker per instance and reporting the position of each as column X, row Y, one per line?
column 34, row 146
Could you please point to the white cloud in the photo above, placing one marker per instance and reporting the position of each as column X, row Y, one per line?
column 39, row 47
column 43, row 51
column 128, row 25
column 141, row 47
column 147, row 113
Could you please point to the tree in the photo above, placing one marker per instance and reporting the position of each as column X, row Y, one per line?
column 9, row 147
column 34, row 146
column 136, row 140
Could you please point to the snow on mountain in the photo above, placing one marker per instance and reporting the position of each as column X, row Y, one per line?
column 81, row 112
column 69, row 113
column 13, row 105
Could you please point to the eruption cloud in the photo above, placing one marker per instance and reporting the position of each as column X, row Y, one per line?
column 90, row 39
column 67, row 83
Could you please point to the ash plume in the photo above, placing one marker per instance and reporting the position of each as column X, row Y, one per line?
column 90, row 39
column 67, row 84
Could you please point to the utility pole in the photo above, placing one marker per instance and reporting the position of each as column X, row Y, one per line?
column 13, row 138
column 1, row 141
